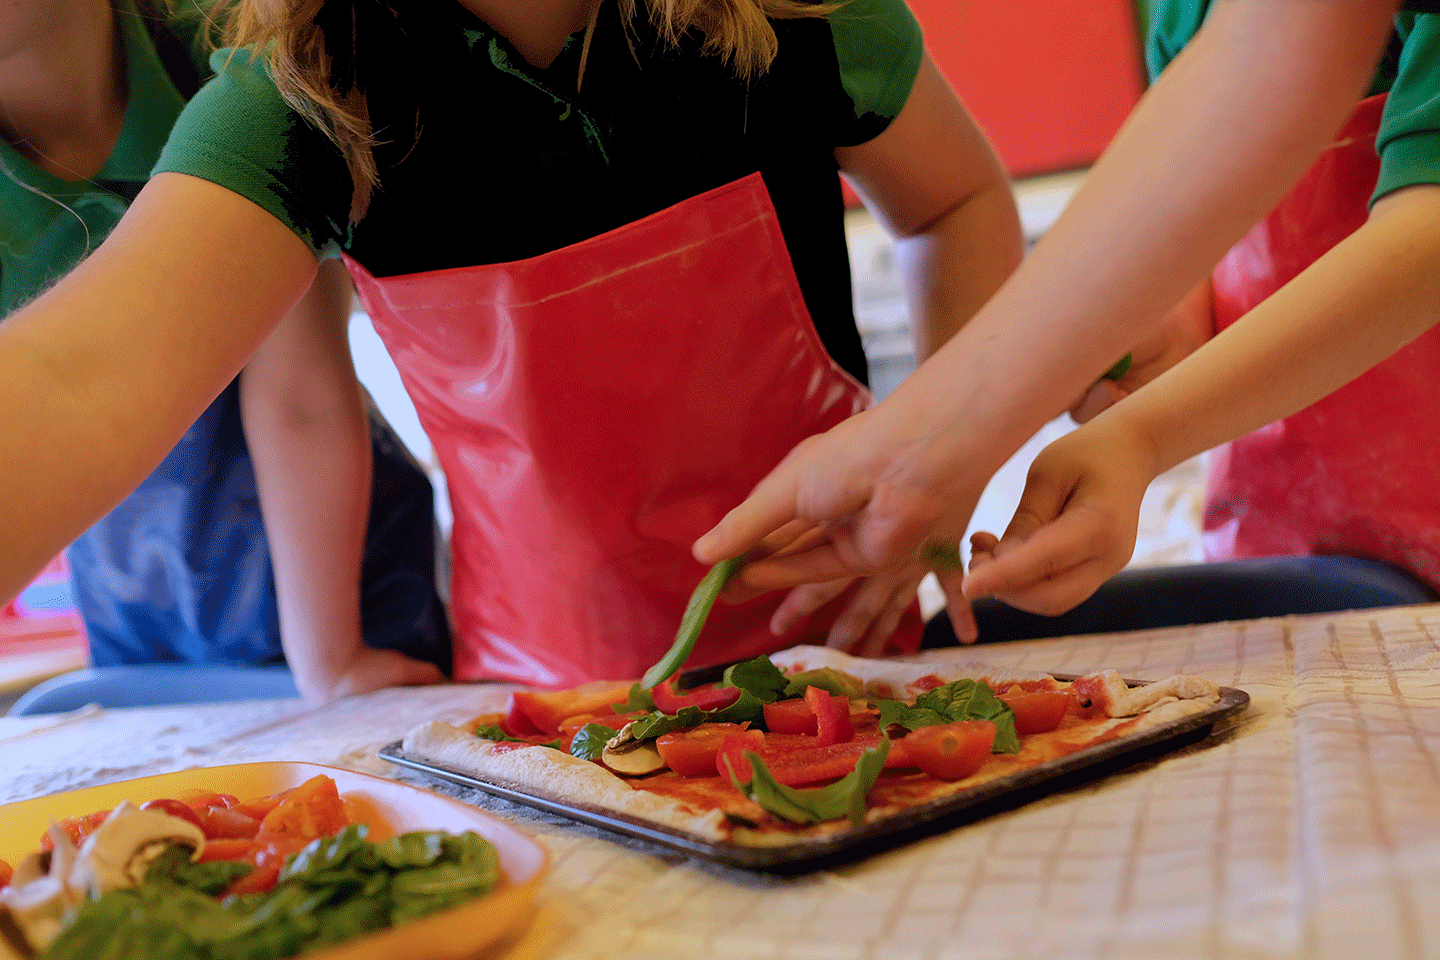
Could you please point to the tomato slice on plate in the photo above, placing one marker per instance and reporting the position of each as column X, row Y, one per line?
column 950, row 751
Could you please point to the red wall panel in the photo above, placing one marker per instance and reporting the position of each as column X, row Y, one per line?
column 1050, row 81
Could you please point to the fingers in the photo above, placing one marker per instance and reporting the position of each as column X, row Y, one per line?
column 1099, row 398
column 1049, row 571
column 802, row 601
column 962, row 617
column 873, row 613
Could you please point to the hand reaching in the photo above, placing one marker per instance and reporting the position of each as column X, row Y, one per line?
column 1074, row 527
column 1188, row 326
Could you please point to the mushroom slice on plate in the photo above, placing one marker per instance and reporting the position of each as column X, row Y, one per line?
column 625, row 754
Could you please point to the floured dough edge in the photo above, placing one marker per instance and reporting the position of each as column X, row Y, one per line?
column 557, row 776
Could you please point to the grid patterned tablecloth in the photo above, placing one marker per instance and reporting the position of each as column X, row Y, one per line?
column 1308, row 827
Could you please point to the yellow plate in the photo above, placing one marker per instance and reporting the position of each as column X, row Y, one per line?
column 387, row 807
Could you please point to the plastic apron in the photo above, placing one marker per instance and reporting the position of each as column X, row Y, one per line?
column 1357, row 473
column 597, row 408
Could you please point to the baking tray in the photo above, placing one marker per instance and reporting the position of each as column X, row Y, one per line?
column 807, row 854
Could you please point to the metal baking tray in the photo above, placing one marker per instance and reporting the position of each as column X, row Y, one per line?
column 807, row 854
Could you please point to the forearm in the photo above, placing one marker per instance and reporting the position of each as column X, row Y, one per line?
column 1355, row 306
column 309, row 438
column 1211, row 147
column 958, row 263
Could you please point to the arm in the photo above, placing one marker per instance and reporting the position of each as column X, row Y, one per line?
column 1187, row 327
column 309, row 437
column 1365, row 299
column 1201, row 159
column 934, row 182
column 101, row 376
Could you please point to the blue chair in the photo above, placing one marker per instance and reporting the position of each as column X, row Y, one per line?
column 1145, row 598
column 154, row 685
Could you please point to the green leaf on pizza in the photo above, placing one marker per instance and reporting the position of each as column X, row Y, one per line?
column 757, row 676
column 589, row 742
column 832, row 681
column 951, row 703
column 843, row 798
column 692, row 621
column 493, row 732
column 639, row 699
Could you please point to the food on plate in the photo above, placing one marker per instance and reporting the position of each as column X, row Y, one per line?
column 209, row 875
column 802, row 744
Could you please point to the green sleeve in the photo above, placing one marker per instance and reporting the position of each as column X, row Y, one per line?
column 1173, row 24
column 237, row 132
column 1409, row 139
column 879, row 47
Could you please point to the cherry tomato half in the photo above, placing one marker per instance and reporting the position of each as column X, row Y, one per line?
column 691, row 752
column 950, row 751
column 1038, row 712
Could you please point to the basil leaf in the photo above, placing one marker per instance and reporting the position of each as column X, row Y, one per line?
column 590, row 742
column 833, row 681
column 334, row 890
column 691, row 623
column 951, row 703
column 843, row 798
column 757, row 676
column 748, row 709
column 493, row 732
column 638, row 699
column 174, row 867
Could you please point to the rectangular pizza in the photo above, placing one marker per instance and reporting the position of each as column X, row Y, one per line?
column 802, row 750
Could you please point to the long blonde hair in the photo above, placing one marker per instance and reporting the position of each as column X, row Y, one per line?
column 298, row 55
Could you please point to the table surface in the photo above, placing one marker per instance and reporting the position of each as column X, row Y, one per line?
column 1307, row 827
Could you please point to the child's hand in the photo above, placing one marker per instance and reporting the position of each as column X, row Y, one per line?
column 1187, row 327
column 870, row 615
column 1075, row 525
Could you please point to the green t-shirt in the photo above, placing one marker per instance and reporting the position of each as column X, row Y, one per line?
column 50, row 224
column 1409, row 139
column 488, row 159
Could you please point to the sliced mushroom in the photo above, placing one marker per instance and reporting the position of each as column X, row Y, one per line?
column 116, row 855
column 38, row 897
column 625, row 754
column 121, row 849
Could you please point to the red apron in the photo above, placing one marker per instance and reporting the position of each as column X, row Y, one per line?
column 596, row 409
column 1357, row 473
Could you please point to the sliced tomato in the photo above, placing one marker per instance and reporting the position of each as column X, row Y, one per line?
column 796, row 761
column 257, row 807
column 314, row 809
column 1037, row 712
column 710, row 696
column 234, row 848
column 731, row 755
column 77, row 828
column 201, row 800
column 6, row 872
column 950, row 751
column 790, row 716
column 832, row 716
column 225, row 822
column 546, row 710
column 175, row 809
column 692, row 752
